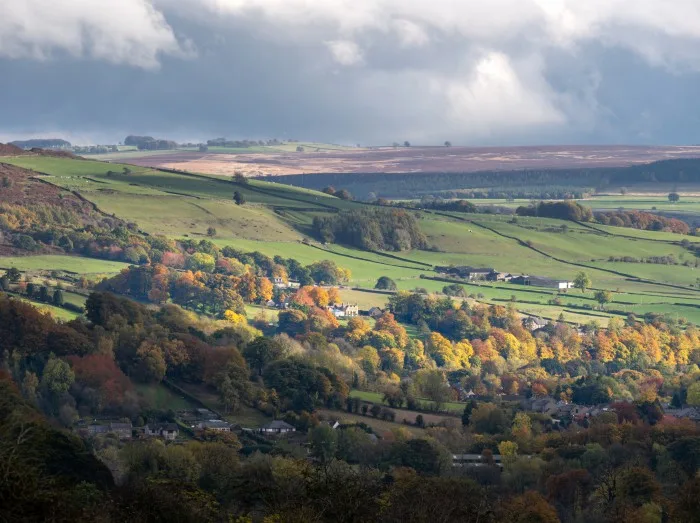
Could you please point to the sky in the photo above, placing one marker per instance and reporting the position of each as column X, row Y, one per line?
column 370, row 72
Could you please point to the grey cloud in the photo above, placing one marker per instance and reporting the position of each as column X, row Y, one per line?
column 477, row 72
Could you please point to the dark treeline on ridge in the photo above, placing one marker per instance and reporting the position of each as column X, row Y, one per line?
column 541, row 183
column 45, row 143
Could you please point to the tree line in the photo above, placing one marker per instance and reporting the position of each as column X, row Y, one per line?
column 383, row 230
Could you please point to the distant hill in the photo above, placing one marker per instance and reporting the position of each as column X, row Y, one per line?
column 42, row 143
column 11, row 149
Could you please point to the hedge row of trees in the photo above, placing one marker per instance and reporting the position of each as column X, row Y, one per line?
column 566, row 210
column 642, row 220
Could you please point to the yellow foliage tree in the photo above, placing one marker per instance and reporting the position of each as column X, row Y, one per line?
column 334, row 296
column 235, row 318
column 265, row 289
column 320, row 296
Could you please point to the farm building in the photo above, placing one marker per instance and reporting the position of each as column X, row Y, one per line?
column 538, row 281
column 499, row 276
column 467, row 273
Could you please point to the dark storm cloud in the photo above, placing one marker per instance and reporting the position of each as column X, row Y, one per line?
column 473, row 72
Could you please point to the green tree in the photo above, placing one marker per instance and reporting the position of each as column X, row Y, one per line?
column 674, row 197
column 211, row 232
column 200, row 261
column 603, row 297
column 582, row 281
column 385, row 283
column 239, row 178
column 43, row 293
column 13, row 274
column 324, row 442
column 693, row 397
column 432, row 385
column 467, row 412
column 58, row 298
column 238, row 198
column 260, row 352
column 57, row 376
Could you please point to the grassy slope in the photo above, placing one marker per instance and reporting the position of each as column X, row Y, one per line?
column 276, row 217
column 62, row 263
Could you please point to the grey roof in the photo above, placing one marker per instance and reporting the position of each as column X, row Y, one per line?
column 216, row 423
column 120, row 426
column 278, row 424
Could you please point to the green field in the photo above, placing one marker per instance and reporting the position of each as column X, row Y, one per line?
column 377, row 397
column 158, row 396
column 276, row 218
column 57, row 312
column 74, row 264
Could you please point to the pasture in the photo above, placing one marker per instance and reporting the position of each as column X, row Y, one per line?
column 276, row 218
column 72, row 264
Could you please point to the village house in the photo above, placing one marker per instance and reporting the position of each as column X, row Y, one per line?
column 276, row 427
column 280, row 283
column 167, row 431
column 542, row 405
column 375, row 312
column 344, row 310
column 215, row 424
column 533, row 323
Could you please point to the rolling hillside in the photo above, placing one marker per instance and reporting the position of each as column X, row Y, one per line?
column 276, row 219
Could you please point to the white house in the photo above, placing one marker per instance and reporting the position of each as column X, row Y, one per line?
column 344, row 310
